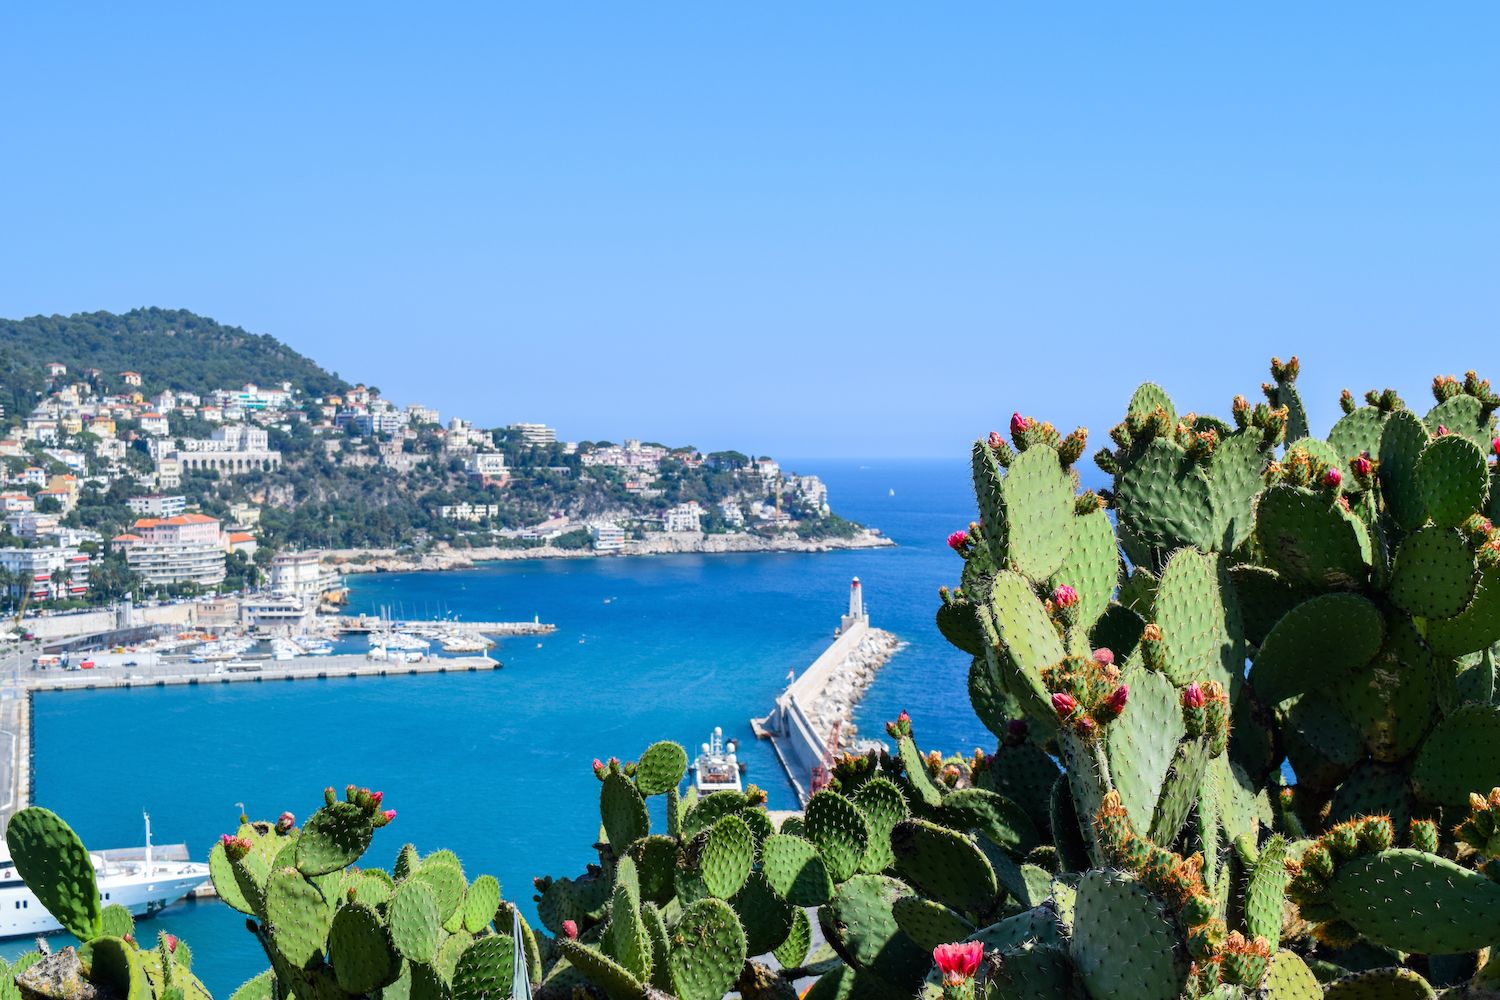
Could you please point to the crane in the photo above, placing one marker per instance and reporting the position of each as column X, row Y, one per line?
column 822, row 773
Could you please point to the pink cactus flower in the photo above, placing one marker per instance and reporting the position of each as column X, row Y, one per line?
column 958, row 540
column 1018, row 424
column 958, row 962
column 1443, row 431
column 570, row 930
column 996, row 441
column 1064, row 704
column 389, row 815
column 1495, row 446
column 905, row 716
column 1065, row 596
column 1104, row 657
column 1192, row 696
column 1332, row 478
column 375, row 798
column 1115, row 704
column 1362, row 465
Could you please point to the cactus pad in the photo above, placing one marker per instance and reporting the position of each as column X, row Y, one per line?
column 791, row 952
column 601, row 970
column 1434, row 573
column 1190, row 611
column 359, row 950
column 1165, row 498
column 1038, row 510
column 1318, row 641
column 944, row 865
column 661, row 767
column 623, row 812
column 1454, row 480
column 415, row 921
column 1091, row 565
column 1461, row 755
column 707, row 951
column 997, row 817
column 52, row 861
column 1464, row 415
column 1401, row 446
column 1416, row 902
column 765, row 916
column 1125, row 941
column 334, row 837
column 1475, row 628
column 727, row 857
column 883, row 806
column 1308, row 539
column 1380, row 984
column 1142, row 742
column 1289, row 978
column 929, row 924
column 861, row 926
column 840, row 832
column 481, row 902
column 796, row 870
column 1357, row 433
column 1031, row 640
column 298, row 916
column 485, row 969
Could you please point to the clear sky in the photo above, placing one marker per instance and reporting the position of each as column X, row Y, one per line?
column 809, row 229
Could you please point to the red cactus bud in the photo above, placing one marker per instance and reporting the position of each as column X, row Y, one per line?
column 130, row 938
column 1495, row 446
column 958, row 540
column 1443, row 431
column 1104, row 657
column 1018, row 424
column 1192, row 696
column 1065, row 596
column 958, row 962
column 996, row 441
column 570, row 930
column 171, row 943
column 1115, row 704
column 329, row 797
column 389, row 815
column 375, row 798
column 1332, row 478
column 1362, row 465
column 905, row 716
column 1064, row 704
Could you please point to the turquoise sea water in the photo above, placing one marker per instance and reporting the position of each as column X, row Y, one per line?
column 496, row 765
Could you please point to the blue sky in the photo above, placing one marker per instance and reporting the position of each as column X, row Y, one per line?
column 810, row 229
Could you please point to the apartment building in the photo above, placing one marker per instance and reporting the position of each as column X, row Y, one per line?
column 187, row 548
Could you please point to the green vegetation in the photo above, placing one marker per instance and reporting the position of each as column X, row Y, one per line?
column 1133, row 834
column 170, row 348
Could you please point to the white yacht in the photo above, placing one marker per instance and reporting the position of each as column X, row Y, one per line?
column 141, row 879
column 717, row 768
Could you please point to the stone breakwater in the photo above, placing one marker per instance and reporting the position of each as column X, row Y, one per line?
column 848, row 682
column 676, row 543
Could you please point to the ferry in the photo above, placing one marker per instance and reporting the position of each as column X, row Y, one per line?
column 717, row 768
column 139, row 879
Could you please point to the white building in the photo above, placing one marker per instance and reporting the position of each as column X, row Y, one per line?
column 187, row 548
column 607, row 536
column 47, row 574
column 468, row 511
column 732, row 514
column 684, row 517
column 416, row 413
column 303, row 575
column 535, row 435
column 487, row 465
column 157, row 505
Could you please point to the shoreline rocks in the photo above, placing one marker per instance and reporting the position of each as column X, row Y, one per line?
column 849, row 682
column 350, row 561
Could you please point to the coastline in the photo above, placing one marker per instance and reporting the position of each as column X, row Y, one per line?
column 847, row 683
column 351, row 561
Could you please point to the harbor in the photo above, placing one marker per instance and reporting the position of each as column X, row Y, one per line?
column 812, row 720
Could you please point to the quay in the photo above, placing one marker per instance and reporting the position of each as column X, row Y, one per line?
column 362, row 623
column 16, row 751
column 812, row 718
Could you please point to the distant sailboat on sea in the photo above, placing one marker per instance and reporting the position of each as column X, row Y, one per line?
column 892, row 492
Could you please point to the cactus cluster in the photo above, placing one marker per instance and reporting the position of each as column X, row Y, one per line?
column 1248, row 746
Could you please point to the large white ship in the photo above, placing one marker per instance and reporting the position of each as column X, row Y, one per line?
column 717, row 768
column 141, row 879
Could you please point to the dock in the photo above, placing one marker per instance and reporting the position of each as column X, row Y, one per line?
column 801, row 733
column 16, row 751
column 352, row 624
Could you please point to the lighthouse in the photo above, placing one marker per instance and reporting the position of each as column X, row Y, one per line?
column 856, row 606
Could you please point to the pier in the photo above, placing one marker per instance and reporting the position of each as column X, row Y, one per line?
column 16, row 696
column 363, row 623
column 812, row 717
